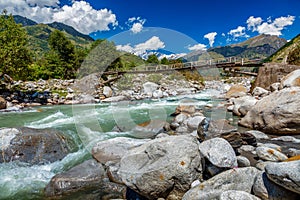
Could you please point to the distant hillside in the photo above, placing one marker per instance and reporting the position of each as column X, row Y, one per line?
column 260, row 47
column 70, row 30
column 289, row 53
column 24, row 21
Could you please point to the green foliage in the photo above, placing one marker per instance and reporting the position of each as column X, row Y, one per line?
column 155, row 78
column 164, row 61
column 294, row 56
column 152, row 59
column 14, row 54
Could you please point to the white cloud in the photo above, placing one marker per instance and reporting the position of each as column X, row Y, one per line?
column 136, row 24
column 211, row 37
column 197, row 47
column 270, row 27
column 80, row 14
column 153, row 43
column 223, row 34
column 240, row 31
column 137, row 27
column 253, row 23
column 172, row 56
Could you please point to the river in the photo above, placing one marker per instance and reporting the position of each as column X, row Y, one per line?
column 86, row 124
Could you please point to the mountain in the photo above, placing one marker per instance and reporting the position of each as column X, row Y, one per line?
column 286, row 53
column 24, row 21
column 258, row 47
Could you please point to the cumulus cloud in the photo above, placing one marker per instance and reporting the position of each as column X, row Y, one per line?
column 253, row 23
column 153, row 43
column 240, row 31
column 172, row 56
column 136, row 24
column 197, row 47
column 270, row 27
column 211, row 37
column 80, row 14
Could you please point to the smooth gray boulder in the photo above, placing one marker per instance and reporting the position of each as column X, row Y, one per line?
column 87, row 180
column 285, row 174
column 114, row 149
column 269, row 154
column 291, row 80
column 162, row 167
column 277, row 113
column 237, row 195
column 243, row 161
column 258, row 134
column 149, row 88
column 194, row 122
column 246, row 102
column 115, row 99
column 107, row 91
column 218, row 152
column 241, row 179
column 267, row 190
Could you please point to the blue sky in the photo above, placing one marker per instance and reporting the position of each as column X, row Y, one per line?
column 181, row 25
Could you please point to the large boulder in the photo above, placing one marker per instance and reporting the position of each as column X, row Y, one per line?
column 87, row 180
column 267, row 190
column 269, row 154
column 278, row 113
column 241, row 179
column 149, row 129
column 243, row 104
column 162, row 167
column 291, row 80
column 285, row 174
column 2, row 103
column 238, row 195
column 218, row 152
column 107, row 91
column 114, row 149
column 149, row 88
column 236, row 91
column 34, row 146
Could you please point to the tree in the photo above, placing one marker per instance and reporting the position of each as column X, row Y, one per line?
column 294, row 56
column 152, row 59
column 62, row 56
column 164, row 61
column 15, row 57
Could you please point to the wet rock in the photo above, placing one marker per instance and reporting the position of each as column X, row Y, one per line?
column 86, row 180
column 2, row 103
column 114, row 149
column 291, row 80
column 277, row 113
column 269, row 154
column 260, row 92
column 34, row 146
column 267, row 190
column 218, row 152
column 162, row 166
column 238, row 195
column 285, row 174
column 236, row 91
column 241, row 179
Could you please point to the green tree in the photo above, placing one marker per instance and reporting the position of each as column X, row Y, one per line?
column 15, row 57
column 62, row 58
column 164, row 61
column 152, row 59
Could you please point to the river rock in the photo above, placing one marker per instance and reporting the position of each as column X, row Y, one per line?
column 241, row 179
column 237, row 195
column 269, row 154
column 285, row 174
column 258, row 134
column 149, row 129
column 194, row 122
column 34, row 146
column 246, row 103
column 2, row 103
column 114, row 149
column 115, row 99
column 260, row 92
column 287, row 139
column 236, row 91
column 277, row 113
column 291, row 80
column 243, row 161
column 184, row 109
column 163, row 166
column 149, row 88
column 219, row 152
column 267, row 190
column 107, row 91
column 274, row 87
column 218, row 127
column 293, row 152
column 87, row 180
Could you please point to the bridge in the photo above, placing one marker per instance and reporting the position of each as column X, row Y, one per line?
column 229, row 65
